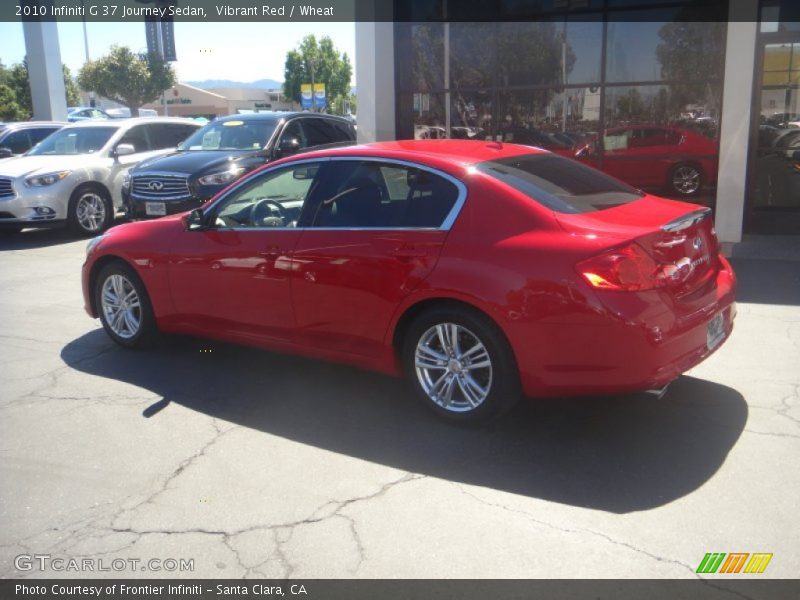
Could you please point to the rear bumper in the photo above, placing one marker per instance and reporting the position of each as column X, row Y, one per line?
column 639, row 342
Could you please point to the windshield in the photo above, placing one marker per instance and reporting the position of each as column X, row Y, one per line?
column 78, row 140
column 560, row 184
column 231, row 135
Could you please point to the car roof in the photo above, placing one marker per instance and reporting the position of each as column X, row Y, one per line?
column 129, row 122
column 31, row 124
column 440, row 152
column 277, row 115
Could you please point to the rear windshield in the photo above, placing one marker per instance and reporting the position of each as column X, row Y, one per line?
column 560, row 184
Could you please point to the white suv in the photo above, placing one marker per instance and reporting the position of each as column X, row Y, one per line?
column 74, row 176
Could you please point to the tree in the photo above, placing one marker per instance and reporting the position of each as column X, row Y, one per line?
column 330, row 68
column 16, row 103
column 128, row 78
column 10, row 110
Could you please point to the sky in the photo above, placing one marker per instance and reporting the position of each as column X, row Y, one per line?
column 237, row 51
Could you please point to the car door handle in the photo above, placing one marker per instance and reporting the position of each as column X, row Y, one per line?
column 409, row 251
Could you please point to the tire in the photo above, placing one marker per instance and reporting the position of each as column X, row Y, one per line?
column 462, row 387
column 686, row 180
column 133, row 324
column 90, row 210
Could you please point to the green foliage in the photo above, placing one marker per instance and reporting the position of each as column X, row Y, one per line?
column 15, row 92
column 128, row 78
column 330, row 68
column 10, row 110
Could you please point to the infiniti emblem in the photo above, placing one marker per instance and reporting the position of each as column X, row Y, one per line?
column 157, row 186
column 697, row 243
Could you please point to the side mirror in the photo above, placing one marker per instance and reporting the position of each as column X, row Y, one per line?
column 5, row 152
column 288, row 146
column 124, row 150
column 194, row 220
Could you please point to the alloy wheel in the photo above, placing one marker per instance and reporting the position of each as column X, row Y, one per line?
column 122, row 309
column 453, row 367
column 90, row 211
column 686, row 179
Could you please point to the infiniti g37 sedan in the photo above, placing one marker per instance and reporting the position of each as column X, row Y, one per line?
column 480, row 271
column 74, row 176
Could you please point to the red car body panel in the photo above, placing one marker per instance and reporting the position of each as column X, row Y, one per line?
column 648, row 160
column 342, row 294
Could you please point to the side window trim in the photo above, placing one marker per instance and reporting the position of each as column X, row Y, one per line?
column 451, row 217
column 212, row 209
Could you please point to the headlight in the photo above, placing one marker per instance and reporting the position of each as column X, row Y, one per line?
column 93, row 244
column 46, row 179
column 222, row 177
column 126, row 181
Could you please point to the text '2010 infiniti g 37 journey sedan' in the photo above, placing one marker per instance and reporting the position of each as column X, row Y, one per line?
column 479, row 270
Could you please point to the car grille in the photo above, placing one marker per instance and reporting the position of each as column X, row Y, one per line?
column 159, row 187
column 5, row 187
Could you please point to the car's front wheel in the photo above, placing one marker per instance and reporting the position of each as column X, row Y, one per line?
column 90, row 210
column 461, row 365
column 124, row 306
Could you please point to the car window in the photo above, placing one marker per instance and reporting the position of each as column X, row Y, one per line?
column 560, row 184
column 75, row 140
column 322, row 131
column 18, row 142
column 294, row 130
column 39, row 133
column 274, row 199
column 137, row 137
column 232, row 134
column 168, row 135
column 367, row 194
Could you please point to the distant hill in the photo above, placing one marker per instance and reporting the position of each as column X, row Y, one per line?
column 261, row 84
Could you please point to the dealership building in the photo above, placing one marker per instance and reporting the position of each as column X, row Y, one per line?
column 695, row 100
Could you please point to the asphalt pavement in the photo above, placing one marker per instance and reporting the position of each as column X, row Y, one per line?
column 243, row 463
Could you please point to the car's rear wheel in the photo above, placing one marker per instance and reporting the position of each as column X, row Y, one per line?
column 685, row 179
column 90, row 210
column 460, row 364
column 124, row 306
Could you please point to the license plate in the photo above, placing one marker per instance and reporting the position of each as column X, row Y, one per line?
column 715, row 332
column 156, row 209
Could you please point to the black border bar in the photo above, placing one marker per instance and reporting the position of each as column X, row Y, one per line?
column 734, row 588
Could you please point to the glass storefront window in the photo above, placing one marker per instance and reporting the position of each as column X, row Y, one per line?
column 421, row 52
column 472, row 54
column 471, row 115
column 423, row 116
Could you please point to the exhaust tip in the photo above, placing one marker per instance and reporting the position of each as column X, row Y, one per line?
column 657, row 393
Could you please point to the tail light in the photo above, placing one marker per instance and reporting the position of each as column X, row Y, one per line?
column 630, row 269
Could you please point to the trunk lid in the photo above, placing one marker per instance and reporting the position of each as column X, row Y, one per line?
column 679, row 236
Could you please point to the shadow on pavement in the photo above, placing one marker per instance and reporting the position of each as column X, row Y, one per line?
column 766, row 281
column 41, row 238
column 613, row 454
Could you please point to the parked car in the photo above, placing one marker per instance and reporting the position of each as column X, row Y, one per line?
column 476, row 269
column 74, row 176
column 221, row 152
column 17, row 138
column 125, row 113
column 83, row 113
column 676, row 160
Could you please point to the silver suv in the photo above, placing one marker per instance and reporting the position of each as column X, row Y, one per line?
column 74, row 176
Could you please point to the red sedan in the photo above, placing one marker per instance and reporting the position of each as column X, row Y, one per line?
column 653, row 156
column 479, row 270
